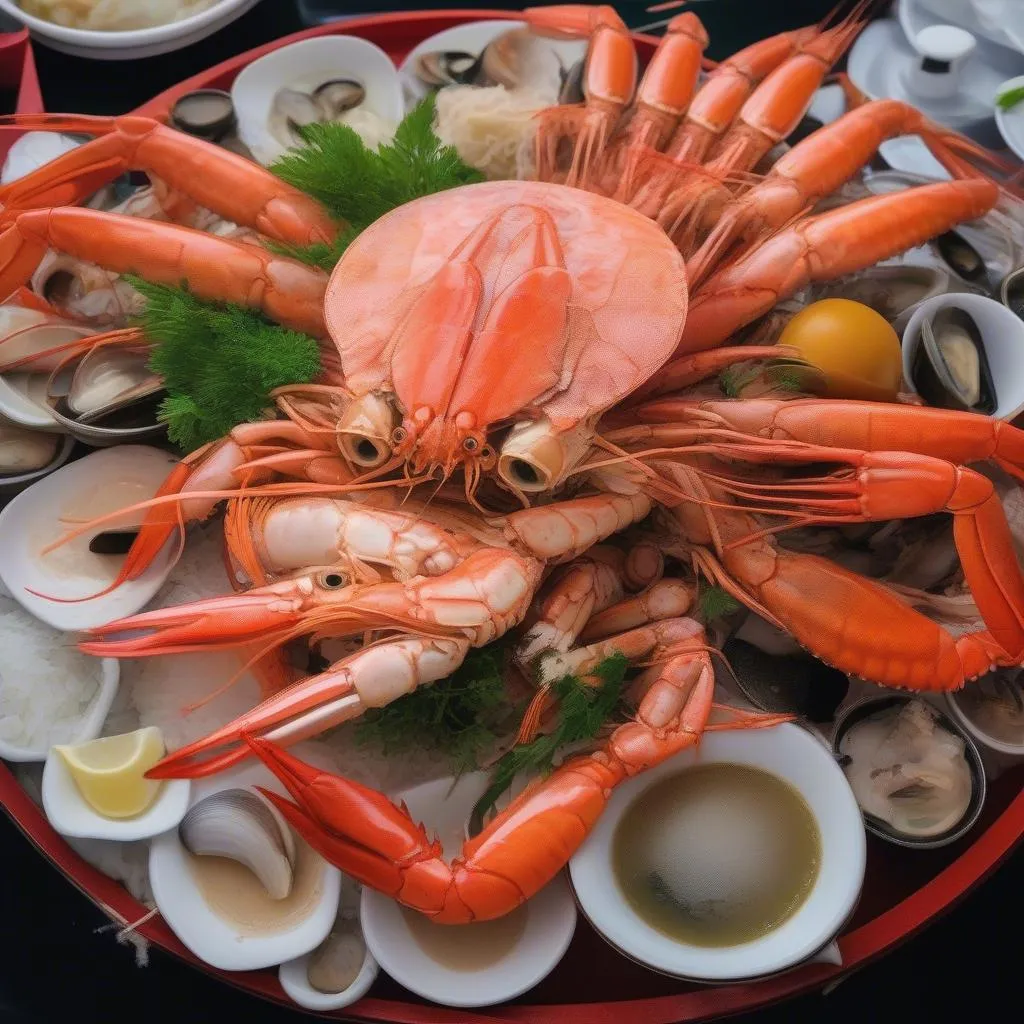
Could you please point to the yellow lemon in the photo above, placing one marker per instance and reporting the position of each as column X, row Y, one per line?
column 855, row 347
column 111, row 772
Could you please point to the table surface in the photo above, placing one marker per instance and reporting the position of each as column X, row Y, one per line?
column 56, row 967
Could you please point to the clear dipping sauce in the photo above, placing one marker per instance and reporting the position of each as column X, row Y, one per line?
column 238, row 897
column 467, row 947
column 717, row 855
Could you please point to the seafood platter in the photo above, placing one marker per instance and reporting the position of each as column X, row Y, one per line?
column 514, row 515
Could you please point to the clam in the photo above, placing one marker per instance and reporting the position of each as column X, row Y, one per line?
column 336, row 963
column 452, row 67
column 23, row 450
column 328, row 78
column 950, row 367
column 242, row 826
column 108, row 395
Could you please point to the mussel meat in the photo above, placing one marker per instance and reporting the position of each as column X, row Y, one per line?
column 961, row 256
column 241, row 826
column 290, row 112
column 950, row 367
column 106, row 380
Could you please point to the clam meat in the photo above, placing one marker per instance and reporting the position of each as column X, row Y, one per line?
column 950, row 367
column 22, row 450
column 293, row 109
column 515, row 59
column 336, row 962
column 241, row 826
column 961, row 256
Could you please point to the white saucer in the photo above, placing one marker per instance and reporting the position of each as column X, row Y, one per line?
column 1011, row 122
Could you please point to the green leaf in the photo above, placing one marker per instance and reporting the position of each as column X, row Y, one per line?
column 322, row 255
column 458, row 716
column 715, row 603
column 1011, row 97
column 584, row 707
column 219, row 362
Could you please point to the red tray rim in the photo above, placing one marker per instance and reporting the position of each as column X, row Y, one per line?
column 858, row 947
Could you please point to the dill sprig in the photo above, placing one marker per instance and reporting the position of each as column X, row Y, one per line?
column 359, row 185
column 716, row 603
column 1009, row 99
column 460, row 716
column 583, row 708
column 219, row 362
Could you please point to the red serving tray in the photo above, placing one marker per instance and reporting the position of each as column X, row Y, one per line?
column 593, row 984
column 18, row 71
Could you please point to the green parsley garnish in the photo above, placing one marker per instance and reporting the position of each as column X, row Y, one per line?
column 1010, row 98
column 716, row 603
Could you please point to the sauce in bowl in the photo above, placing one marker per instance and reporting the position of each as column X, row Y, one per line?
column 717, row 855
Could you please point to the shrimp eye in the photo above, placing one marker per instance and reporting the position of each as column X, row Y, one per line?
column 470, row 444
column 332, row 580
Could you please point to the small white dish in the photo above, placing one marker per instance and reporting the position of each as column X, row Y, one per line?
column 305, row 65
column 472, row 37
column 71, row 815
column 798, row 758
column 1002, row 333
column 444, row 807
column 15, row 483
column 112, row 478
column 294, row 980
column 206, row 934
column 129, row 45
column 92, row 721
column 1011, row 122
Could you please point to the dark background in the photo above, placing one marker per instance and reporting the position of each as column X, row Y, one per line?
column 53, row 965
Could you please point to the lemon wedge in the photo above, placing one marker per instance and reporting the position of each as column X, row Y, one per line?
column 111, row 772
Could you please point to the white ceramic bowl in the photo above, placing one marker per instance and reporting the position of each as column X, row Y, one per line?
column 70, row 814
column 92, row 721
column 1011, row 122
column 209, row 936
column 984, row 739
column 295, row 981
column 793, row 755
column 550, row 916
column 1002, row 333
column 31, row 520
column 142, row 42
column 305, row 65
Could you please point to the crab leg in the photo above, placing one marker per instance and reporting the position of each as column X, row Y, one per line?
column 214, row 268
column 824, row 247
column 666, row 599
column 527, row 844
column 237, row 189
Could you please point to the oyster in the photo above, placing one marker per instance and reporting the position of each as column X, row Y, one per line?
column 950, row 367
column 242, row 826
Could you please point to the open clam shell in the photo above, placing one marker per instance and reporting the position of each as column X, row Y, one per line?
column 308, row 80
column 28, row 455
column 108, row 396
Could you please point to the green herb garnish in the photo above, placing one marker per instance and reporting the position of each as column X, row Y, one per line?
column 582, row 709
column 460, row 715
column 219, row 362
column 716, row 603
column 359, row 185
column 1010, row 98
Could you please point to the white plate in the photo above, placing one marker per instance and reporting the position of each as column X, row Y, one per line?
column 550, row 916
column 143, row 42
column 70, row 814
column 305, row 65
column 1011, row 122
column 295, row 981
column 881, row 59
column 806, row 764
column 210, row 937
column 92, row 721
column 472, row 38
column 31, row 519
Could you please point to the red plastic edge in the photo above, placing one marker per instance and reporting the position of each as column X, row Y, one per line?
column 858, row 947
column 18, row 70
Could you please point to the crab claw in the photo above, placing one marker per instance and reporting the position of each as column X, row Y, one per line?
column 218, row 622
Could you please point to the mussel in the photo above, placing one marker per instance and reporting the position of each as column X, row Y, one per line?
column 448, row 67
column 205, row 113
column 338, row 95
column 961, row 256
column 292, row 109
column 1011, row 292
column 950, row 368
